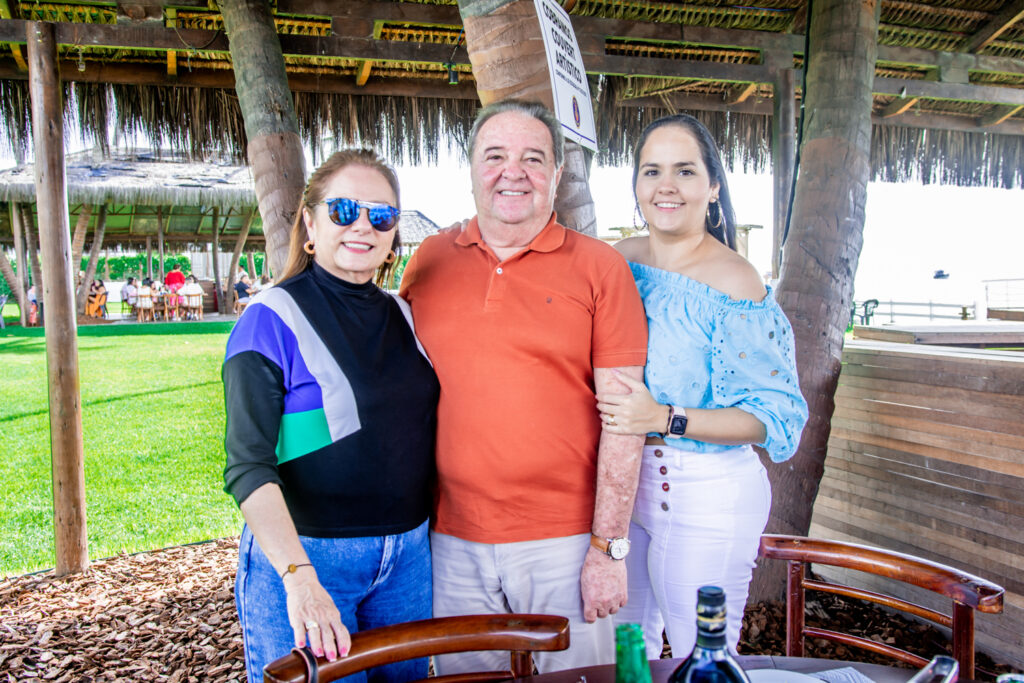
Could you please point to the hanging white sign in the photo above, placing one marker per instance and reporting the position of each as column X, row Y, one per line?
column 569, row 87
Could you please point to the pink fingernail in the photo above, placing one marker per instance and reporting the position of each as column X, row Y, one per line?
column 318, row 652
column 331, row 656
column 344, row 651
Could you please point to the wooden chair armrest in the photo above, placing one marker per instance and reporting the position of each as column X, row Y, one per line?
column 532, row 632
column 965, row 588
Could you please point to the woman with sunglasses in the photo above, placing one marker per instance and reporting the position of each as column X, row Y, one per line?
column 330, row 432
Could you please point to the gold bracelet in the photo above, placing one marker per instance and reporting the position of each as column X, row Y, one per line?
column 292, row 568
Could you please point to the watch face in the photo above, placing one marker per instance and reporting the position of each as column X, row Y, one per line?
column 678, row 426
column 618, row 548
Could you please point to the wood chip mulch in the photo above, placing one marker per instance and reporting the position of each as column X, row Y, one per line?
column 169, row 615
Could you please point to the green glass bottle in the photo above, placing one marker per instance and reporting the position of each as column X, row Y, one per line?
column 631, row 665
column 710, row 661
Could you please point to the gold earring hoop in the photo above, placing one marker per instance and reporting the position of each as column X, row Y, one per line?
column 721, row 219
column 390, row 257
column 308, row 248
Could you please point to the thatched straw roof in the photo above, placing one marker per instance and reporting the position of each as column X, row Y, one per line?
column 948, row 104
column 144, row 190
column 140, row 177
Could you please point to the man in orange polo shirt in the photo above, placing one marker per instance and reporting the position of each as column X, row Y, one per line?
column 523, row 320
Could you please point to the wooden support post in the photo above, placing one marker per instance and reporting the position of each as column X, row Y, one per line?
column 160, row 240
column 149, row 257
column 215, row 247
column 32, row 246
column 94, row 257
column 236, row 254
column 783, row 157
column 20, row 261
column 66, row 445
column 78, row 242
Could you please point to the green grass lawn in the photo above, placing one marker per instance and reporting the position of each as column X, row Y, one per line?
column 153, row 423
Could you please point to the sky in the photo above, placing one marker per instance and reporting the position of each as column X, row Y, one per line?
column 911, row 230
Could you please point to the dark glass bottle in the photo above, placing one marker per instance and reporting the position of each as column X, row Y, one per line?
column 631, row 665
column 710, row 661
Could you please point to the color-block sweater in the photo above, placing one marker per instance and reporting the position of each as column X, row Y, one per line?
column 330, row 396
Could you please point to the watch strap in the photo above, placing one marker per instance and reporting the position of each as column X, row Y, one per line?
column 600, row 543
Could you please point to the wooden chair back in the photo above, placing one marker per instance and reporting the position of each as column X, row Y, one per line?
column 522, row 634
column 192, row 304
column 967, row 593
column 144, row 306
column 238, row 306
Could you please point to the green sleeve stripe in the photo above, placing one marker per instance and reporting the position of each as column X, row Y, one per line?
column 302, row 433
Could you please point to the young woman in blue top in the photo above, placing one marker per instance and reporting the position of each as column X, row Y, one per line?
column 720, row 377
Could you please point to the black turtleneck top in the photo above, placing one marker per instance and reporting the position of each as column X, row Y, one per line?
column 330, row 396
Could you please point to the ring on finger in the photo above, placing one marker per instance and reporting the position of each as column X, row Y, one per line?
column 310, row 625
column 611, row 419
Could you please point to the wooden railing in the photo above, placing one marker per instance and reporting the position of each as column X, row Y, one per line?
column 926, row 457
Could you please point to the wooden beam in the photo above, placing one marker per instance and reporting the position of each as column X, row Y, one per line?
column 5, row 13
column 999, row 115
column 172, row 55
column 65, row 401
column 363, row 71
column 898, row 106
column 148, row 74
column 741, row 92
column 948, row 91
column 1007, row 17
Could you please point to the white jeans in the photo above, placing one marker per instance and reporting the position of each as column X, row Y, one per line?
column 532, row 577
column 698, row 521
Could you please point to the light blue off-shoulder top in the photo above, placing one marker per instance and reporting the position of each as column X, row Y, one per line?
column 707, row 350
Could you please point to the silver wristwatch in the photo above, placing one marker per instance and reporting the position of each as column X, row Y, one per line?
column 615, row 548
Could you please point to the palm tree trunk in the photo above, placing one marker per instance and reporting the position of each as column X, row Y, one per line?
column 274, row 148
column 78, row 241
column 821, row 252
column 506, row 49
column 94, row 257
column 12, row 281
column 236, row 254
column 32, row 246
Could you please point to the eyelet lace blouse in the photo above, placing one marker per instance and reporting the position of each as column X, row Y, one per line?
column 707, row 350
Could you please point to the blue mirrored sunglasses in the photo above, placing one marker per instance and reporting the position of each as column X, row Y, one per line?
column 343, row 211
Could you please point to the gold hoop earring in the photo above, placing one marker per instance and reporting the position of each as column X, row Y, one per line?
column 391, row 257
column 721, row 218
column 638, row 212
column 308, row 248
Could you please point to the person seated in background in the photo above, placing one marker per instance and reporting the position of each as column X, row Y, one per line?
column 96, row 303
column 244, row 288
column 175, row 279
column 265, row 282
column 191, row 294
column 129, row 293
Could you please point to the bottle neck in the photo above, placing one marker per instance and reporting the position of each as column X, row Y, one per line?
column 711, row 640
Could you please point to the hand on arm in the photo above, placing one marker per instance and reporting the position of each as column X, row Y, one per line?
column 638, row 413
column 603, row 580
column 308, row 602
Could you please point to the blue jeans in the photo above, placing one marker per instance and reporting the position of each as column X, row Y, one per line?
column 374, row 581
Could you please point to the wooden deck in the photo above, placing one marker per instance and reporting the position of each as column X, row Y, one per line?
column 970, row 334
column 926, row 457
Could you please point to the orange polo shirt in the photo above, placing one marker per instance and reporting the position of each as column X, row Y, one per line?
column 514, row 344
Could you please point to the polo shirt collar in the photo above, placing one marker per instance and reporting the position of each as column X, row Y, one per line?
column 551, row 236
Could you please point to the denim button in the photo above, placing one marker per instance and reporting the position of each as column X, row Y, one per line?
column 664, row 486
column 663, row 470
column 658, row 453
column 664, row 506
